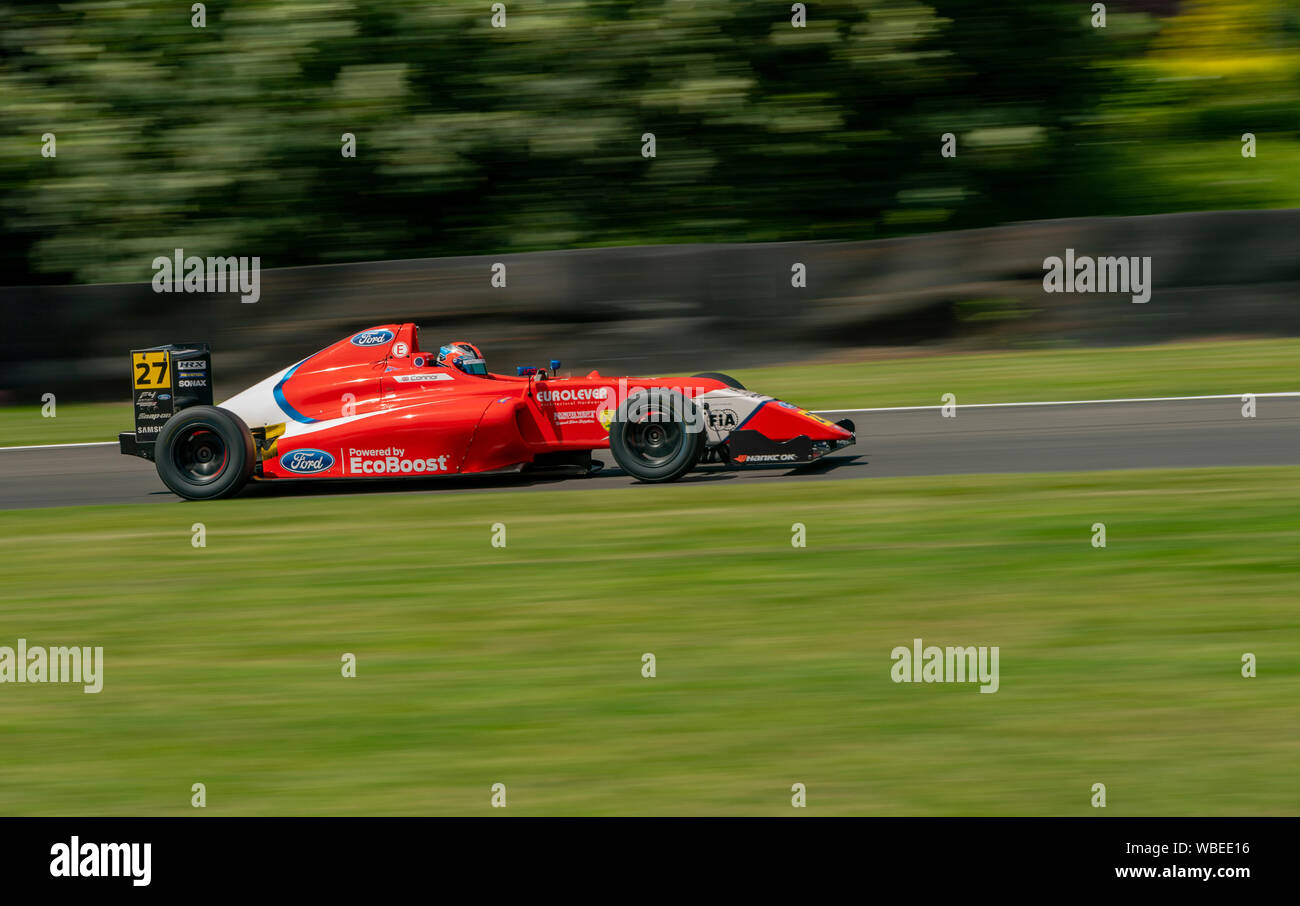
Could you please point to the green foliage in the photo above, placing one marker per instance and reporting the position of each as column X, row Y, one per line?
column 226, row 139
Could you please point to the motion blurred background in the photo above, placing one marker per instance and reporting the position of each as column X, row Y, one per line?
column 775, row 145
column 480, row 141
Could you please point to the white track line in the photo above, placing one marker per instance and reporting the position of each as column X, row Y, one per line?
column 1139, row 399
column 98, row 443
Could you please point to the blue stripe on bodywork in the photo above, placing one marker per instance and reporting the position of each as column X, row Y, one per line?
column 751, row 415
column 283, row 403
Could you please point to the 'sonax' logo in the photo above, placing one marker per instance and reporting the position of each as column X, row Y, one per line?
column 377, row 337
column 945, row 665
column 307, row 462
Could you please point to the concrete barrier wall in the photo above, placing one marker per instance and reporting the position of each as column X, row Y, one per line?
column 663, row 309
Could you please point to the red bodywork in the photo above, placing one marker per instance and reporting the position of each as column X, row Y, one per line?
column 375, row 405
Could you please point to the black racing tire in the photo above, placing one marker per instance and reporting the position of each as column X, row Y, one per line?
column 724, row 378
column 658, row 435
column 204, row 452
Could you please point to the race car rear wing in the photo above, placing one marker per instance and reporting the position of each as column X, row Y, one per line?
column 165, row 380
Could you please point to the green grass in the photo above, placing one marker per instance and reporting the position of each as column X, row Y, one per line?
column 1176, row 369
column 1173, row 369
column 72, row 423
column 521, row 665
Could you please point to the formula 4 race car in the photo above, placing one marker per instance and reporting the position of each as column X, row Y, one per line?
column 374, row 405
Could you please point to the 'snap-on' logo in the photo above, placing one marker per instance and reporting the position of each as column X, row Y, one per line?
column 307, row 462
column 372, row 338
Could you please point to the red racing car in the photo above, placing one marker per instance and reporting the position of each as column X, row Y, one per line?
column 374, row 405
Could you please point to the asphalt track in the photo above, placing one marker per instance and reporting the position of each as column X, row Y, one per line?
column 892, row 442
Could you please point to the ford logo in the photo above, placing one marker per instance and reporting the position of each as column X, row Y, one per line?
column 372, row 338
column 307, row 462
column 164, row 396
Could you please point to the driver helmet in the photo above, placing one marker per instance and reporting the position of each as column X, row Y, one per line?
column 462, row 355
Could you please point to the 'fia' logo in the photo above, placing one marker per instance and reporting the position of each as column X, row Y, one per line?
column 723, row 419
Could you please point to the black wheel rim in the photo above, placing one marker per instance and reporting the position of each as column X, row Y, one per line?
column 652, row 441
column 200, row 454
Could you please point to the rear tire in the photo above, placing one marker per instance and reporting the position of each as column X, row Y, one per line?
column 724, row 378
column 657, row 436
column 204, row 452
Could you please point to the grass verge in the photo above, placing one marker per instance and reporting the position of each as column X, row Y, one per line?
column 522, row 665
column 1173, row 369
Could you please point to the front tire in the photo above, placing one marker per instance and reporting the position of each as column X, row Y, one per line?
column 724, row 378
column 657, row 436
column 204, row 453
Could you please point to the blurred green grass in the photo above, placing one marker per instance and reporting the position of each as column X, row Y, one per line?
column 1169, row 369
column 521, row 665
column 1173, row 369
column 72, row 423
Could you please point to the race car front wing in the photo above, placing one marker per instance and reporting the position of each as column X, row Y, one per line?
column 746, row 447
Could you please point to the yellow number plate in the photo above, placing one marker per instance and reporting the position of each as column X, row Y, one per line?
column 152, row 370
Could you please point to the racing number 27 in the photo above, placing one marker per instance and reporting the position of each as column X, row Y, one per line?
column 151, row 370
